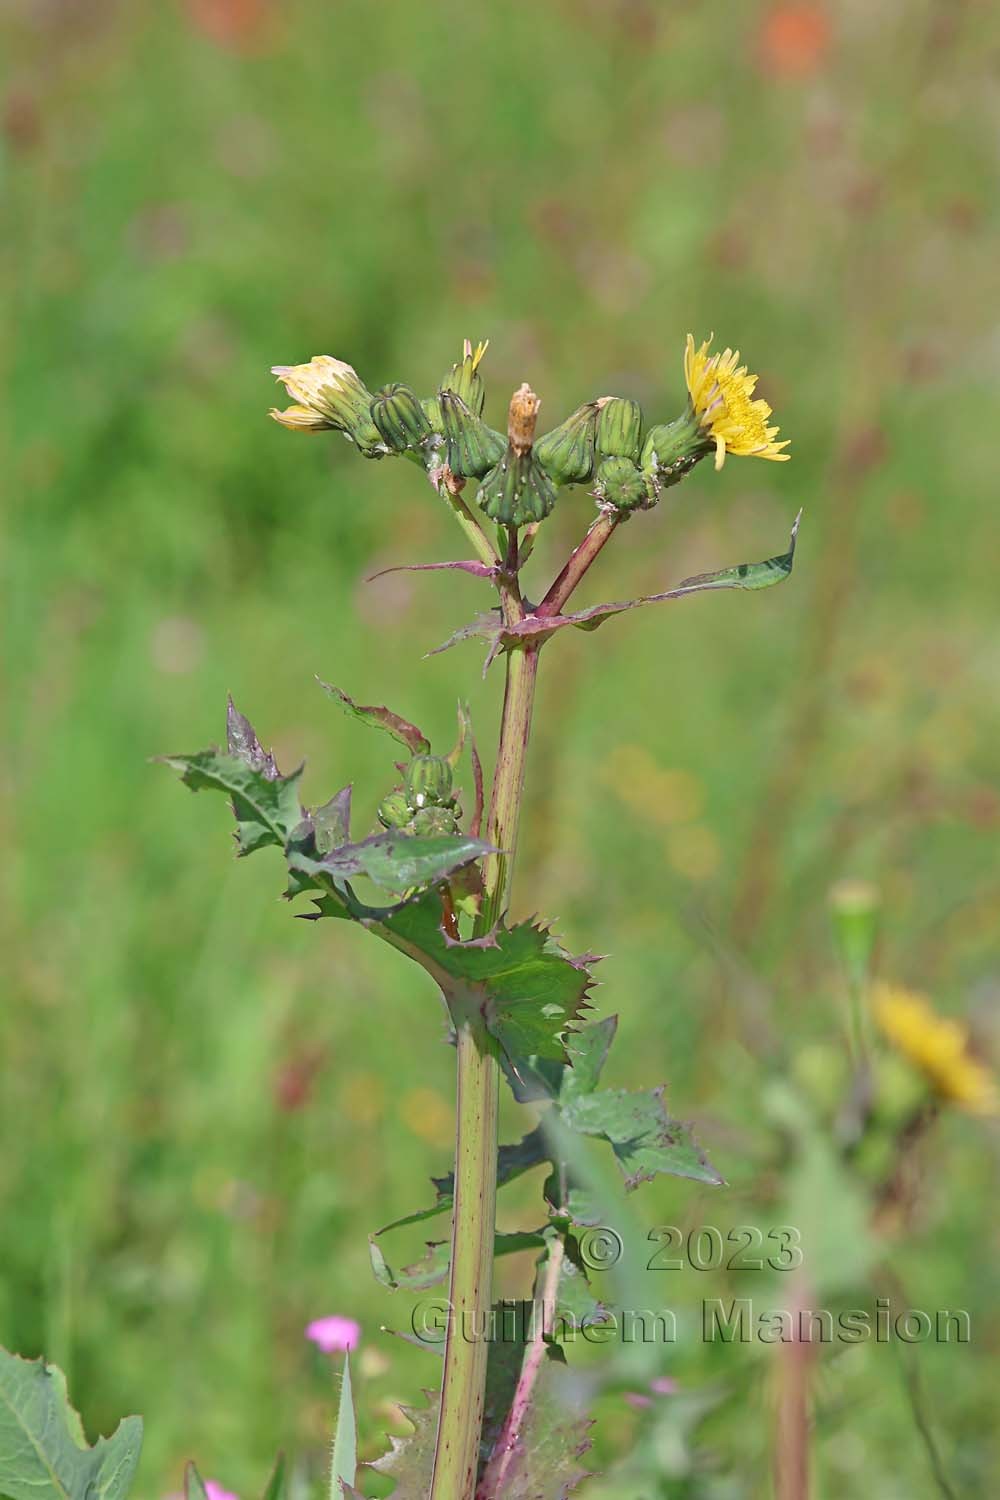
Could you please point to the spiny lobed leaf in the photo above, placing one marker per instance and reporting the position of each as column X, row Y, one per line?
column 410, row 1460
column 528, row 990
column 432, row 1267
column 44, row 1453
column 512, row 1160
column 266, row 806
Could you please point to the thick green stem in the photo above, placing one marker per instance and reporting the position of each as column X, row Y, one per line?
column 470, row 1295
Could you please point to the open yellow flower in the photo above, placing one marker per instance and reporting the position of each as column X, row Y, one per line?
column 720, row 390
column 938, row 1047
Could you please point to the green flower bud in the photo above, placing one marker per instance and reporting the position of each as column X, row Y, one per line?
column 567, row 452
column 518, row 491
column 464, row 378
column 329, row 394
column 619, row 427
column 428, row 781
column 621, row 485
column 400, row 418
column 472, row 447
column 430, row 822
column 394, row 811
column 672, row 449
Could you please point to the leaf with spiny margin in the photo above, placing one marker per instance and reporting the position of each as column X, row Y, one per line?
column 44, row 1454
column 545, row 1461
column 410, row 1460
column 397, row 861
column 267, row 807
column 380, row 717
column 527, row 988
column 344, row 1453
column 242, row 741
column 645, row 1140
column 512, row 1160
column 432, row 1267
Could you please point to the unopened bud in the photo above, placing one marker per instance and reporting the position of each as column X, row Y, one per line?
column 567, row 452
column 620, row 486
column 428, row 781
column 472, row 447
column 619, row 426
column 465, row 380
column 431, row 822
column 394, row 811
column 400, row 418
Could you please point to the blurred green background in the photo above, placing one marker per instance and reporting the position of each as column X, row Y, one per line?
column 207, row 1105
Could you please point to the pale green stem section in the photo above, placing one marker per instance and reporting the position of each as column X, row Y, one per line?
column 470, row 1295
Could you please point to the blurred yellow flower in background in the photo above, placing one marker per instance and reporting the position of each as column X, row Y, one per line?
column 938, row 1047
column 721, row 391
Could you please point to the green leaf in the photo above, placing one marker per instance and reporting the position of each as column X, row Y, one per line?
column 432, row 1267
column 275, row 1487
column 512, row 1160
column 410, row 1460
column 544, row 1461
column 194, row 1485
column 266, row 806
column 394, row 860
column 331, row 823
column 520, row 980
column 644, row 1138
column 44, row 1453
column 380, row 717
column 344, row 1456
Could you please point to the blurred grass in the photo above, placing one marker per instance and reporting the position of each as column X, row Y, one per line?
column 206, row 1105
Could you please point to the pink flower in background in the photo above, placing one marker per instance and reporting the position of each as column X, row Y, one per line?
column 333, row 1335
column 214, row 1491
column 664, row 1385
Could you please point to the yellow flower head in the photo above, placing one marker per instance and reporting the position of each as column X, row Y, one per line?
column 938, row 1047
column 325, row 391
column 720, row 391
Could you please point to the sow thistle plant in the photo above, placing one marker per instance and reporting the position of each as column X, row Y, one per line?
column 430, row 875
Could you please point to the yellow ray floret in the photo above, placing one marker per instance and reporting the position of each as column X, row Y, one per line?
column 721, row 391
column 938, row 1047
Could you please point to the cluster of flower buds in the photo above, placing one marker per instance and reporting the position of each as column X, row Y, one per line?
column 425, row 804
column 601, row 444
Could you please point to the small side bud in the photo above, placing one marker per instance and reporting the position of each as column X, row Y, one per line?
column 620, row 486
column 619, row 427
column 400, row 418
column 567, row 452
column 429, row 781
column 431, row 822
column 472, row 447
column 394, row 811
column 464, row 379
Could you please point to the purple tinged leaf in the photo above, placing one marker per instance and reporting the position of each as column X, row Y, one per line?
column 380, row 717
column 477, row 569
column 242, row 741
